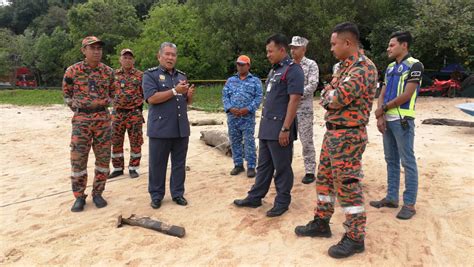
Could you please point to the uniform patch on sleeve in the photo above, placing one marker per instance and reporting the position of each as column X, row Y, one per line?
column 415, row 73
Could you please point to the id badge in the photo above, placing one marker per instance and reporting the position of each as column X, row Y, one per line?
column 92, row 86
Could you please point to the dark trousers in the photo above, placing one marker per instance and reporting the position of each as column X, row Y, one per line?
column 274, row 158
column 160, row 150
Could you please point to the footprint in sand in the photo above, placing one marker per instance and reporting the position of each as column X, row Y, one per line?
column 13, row 255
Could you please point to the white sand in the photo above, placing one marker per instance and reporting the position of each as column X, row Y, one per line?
column 34, row 151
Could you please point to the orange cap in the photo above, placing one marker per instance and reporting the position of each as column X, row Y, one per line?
column 243, row 59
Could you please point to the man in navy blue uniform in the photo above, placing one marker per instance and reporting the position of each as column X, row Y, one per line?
column 242, row 95
column 284, row 88
column 168, row 93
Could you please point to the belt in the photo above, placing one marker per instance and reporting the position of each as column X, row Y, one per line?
column 125, row 110
column 332, row 126
column 90, row 110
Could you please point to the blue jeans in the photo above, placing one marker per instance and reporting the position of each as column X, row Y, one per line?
column 398, row 145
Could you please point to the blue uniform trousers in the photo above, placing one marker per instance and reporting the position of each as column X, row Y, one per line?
column 242, row 129
column 273, row 157
column 160, row 150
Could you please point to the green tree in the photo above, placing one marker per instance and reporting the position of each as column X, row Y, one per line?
column 177, row 23
column 50, row 62
column 113, row 21
column 444, row 30
column 56, row 17
column 23, row 12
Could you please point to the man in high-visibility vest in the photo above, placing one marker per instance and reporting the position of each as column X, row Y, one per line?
column 395, row 120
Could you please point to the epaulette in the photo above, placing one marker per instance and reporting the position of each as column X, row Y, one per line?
column 182, row 72
column 152, row 69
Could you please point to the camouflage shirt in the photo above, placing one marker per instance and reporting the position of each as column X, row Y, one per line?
column 351, row 92
column 311, row 79
column 128, row 89
column 88, row 88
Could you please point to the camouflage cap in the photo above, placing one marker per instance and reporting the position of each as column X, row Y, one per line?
column 91, row 40
column 299, row 41
column 126, row 50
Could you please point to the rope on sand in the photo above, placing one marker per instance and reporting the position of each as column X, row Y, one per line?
column 108, row 181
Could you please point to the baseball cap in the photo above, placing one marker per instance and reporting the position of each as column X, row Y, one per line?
column 243, row 59
column 91, row 40
column 126, row 50
column 299, row 41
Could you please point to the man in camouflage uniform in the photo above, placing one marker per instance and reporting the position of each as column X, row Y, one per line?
column 127, row 115
column 305, row 109
column 88, row 89
column 242, row 95
column 348, row 101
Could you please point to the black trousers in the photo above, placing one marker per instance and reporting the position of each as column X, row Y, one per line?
column 273, row 157
column 160, row 151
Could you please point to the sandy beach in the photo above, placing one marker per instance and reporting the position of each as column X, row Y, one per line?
column 38, row 228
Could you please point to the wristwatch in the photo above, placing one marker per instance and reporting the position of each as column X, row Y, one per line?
column 283, row 129
column 174, row 91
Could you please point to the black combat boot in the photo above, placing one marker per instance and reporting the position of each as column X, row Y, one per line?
column 115, row 174
column 308, row 178
column 346, row 247
column 133, row 174
column 315, row 228
column 99, row 201
column 236, row 170
column 79, row 204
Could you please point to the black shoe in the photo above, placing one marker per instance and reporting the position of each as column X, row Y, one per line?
column 115, row 174
column 236, row 170
column 99, row 201
column 180, row 201
column 406, row 212
column 133, row 174
column 79, row 204
column 308, row 178
column 346, row 247
column 315, row 228
column 384, row 203
column 248, row 203
column 156, row 204
column 276, row 211
column 251, row 172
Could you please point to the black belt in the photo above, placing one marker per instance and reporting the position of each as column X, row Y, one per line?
column 125, row 110
column 90, row 110
column 332, row 126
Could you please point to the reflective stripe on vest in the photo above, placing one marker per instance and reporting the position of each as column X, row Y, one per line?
column 401, row 72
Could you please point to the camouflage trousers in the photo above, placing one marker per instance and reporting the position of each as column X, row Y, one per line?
column 305, row 132
column 132, row 123
column 86, row 134
column 339, row 175
column 242, row 140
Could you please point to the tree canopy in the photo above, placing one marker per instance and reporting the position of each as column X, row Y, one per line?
column 45, row 35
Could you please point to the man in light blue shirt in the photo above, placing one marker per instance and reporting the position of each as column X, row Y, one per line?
column 242, row 95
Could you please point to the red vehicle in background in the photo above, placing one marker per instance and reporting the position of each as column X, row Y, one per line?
column 447, row 88
column 25, row 78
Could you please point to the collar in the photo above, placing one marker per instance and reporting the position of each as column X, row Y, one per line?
column 173, row 72
column 249, row 75
column 86, row 65
column 350, row 60
column 122, row 70
column 404, row 58
column 285, row 61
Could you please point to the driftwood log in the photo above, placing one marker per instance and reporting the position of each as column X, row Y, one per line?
column 448, row 122
column 217, row 139
column 147, row 222
column 206, row 122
